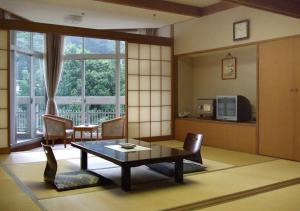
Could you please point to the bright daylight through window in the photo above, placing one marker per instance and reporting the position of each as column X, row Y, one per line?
column 92, row 83
column 91, row 88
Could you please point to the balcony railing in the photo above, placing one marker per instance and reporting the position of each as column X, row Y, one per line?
column 91, row 117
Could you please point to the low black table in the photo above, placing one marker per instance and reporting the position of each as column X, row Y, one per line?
column 126, row 160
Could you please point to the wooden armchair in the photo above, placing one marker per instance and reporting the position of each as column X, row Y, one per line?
column 114, row 128
column 58, row 128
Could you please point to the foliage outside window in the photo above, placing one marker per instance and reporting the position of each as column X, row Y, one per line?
column 28, row 67
column 92, row 80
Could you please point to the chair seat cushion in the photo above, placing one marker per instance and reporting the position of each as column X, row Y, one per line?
column 168, row 168
column 79, row 179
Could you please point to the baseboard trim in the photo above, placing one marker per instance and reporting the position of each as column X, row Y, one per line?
column 5, row 150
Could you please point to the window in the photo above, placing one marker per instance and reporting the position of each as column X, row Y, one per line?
column 92, row 84
column 29, row 94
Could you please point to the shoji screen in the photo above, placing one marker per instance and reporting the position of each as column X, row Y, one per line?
column 4, row 89
column 149, row 90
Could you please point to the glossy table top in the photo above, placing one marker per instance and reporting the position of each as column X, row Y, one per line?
column 156, row 152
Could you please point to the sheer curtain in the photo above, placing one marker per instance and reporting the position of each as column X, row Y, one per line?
column 54, row 59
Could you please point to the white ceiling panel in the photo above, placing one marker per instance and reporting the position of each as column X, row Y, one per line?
column 97, row 15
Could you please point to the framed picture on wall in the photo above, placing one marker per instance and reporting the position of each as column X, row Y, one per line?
column 229, row 68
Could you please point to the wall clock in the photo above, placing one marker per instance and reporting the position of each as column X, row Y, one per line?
column 241, row 30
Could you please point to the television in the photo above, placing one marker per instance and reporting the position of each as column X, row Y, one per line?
column 233, row 108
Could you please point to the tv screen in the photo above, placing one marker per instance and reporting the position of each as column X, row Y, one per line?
column 233, row 108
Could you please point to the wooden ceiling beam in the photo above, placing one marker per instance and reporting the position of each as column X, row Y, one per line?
column 286, row 7
column 218, row 7
column 85, row 32
column 160, row 5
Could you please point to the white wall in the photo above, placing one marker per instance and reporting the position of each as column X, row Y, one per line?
column 164, row 31
column 185, row 85
column 215, row 31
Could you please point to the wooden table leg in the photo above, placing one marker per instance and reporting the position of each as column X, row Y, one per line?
column 80, row 135
column 83, row 160
column 179, row 171
column 91, row 134
column 126, row 180
column 97, row 133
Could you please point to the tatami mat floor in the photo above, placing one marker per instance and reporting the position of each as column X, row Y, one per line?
column 234, row 181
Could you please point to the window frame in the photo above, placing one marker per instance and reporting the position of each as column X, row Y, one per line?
column 84, row 100
column 32, row 99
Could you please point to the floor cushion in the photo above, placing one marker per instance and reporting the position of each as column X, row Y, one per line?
column 168, row 168
column 79, row 179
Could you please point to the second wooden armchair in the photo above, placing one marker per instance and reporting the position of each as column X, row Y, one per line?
column 114, row 128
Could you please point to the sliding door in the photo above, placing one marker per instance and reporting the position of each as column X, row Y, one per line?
column 28, row 91
column 149, row 90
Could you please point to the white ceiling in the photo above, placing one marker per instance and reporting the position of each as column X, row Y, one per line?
column 97, row 15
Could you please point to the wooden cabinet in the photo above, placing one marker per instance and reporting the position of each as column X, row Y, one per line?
column 279, row 98
column 296, row 45
column 226, row 135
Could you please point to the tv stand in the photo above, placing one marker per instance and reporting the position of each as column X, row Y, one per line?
column 237, row 136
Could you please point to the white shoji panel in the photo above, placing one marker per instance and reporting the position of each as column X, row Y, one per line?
column 166, row 53
column 133, row 114
column 145, row 83
column 155, row 98
column 166, row 98
column 133, row 98
column 166, row 128
column 155, row 114
column 3, row 138
column 133, row 82
column 149, row 90
column 155, row 52
column 166, row 113
column 3, row 39
column 133, row 130
column 166, row 68
column 155, row 83
column 133, row 66
column 144, row 51
column 3, row 79
column 3, row 118
column 155, row 67
column 133, row 50
column 144, row 67
column 145, row 129
column 166, row 83
column 144, row 114
column 3, row 59
column 145, row 98
column 155, row 128
column 3, row 98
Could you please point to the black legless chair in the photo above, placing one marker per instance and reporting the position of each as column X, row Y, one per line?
column 193, row 144
column 69, row 180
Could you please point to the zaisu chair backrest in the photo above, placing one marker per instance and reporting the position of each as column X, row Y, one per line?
column 51, row 167
column 193, row 144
